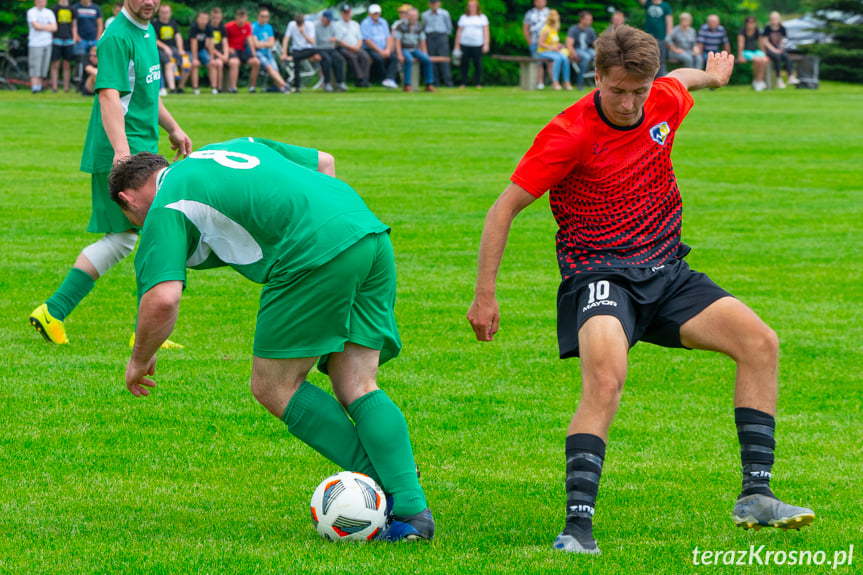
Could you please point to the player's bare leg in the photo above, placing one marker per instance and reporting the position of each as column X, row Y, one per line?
column 604, row 351
column 383, row 431
column 728, row 326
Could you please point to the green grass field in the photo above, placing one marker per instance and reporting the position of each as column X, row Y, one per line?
column 198, row 478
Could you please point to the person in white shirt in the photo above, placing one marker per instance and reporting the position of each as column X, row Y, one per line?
column 301, row 35
column 472, row 37
column 42, row 24
column 349, row 42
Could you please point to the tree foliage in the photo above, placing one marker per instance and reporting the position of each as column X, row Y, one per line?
column 841, row 60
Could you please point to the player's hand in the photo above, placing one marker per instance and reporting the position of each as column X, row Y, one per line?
column 720, row 66
column 136, row 381
column 484, row 317
column 180, row 142
column 121, row 155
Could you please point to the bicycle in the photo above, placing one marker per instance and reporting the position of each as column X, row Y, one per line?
column 310, row 72
column 13, row 71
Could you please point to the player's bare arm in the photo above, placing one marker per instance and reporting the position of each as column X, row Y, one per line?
column 716, row 72
column 178, row 138
column 326, row 164
column 114, row 122
column 157, row 314
column 484, row 314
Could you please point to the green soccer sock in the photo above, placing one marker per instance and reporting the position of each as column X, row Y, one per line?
column 74, row 288
column 317, row 419
column 383, row 431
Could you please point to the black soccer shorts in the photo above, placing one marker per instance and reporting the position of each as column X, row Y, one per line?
column 651, row 303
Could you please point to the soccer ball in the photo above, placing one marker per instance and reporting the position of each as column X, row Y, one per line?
column 349, row 506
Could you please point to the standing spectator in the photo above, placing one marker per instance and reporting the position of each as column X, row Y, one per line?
column 438, row 28
column 90, row 70
column 301, row 34
column 618, row 19
column 551, row 48
column 658, row 22
column 532, row 25
column 712, row 38
column 200, row 45
column 378, row 42
column 579, row 42
column 410, row 39
column 220, row 51
column 472, row 37
column 332, row 63
column 114, row 11
column 349, row 40
column 241, row 51
column 748, row 50
column 87, row 28
column 42, row 24
column 264, row 38
column 774, row 46
column 125, row 120
column 683, row 44
column 63, row 48
column 172, row 53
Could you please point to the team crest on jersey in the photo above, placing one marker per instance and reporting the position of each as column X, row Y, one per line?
column 660, row 132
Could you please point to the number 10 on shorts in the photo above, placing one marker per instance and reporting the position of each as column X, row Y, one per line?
column 598, row 291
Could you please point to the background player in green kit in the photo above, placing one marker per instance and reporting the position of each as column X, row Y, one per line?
column 326, row 262
column 125, row 120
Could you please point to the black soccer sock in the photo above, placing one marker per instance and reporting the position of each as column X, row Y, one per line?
column 755, row 432
column 584, row 456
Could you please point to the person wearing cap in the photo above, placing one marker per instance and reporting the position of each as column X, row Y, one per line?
column 349, row 43
column 438, row 27
column 410, row 40
column 378, row 42
column 332, row 63
column 403, row 16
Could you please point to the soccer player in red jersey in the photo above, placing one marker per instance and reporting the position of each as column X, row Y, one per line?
column 606, row 162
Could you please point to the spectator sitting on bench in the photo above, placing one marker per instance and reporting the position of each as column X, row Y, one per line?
column 242, row 51
column 618, row 19
column 332, row 63
column 410, row 41
column 264, row 39
column 773, row 43
column 552, row 49
column 378, row 43
column 748, row 50
column 301, row 35
column 579, row 42
column 712, row 38
column 683, row 44
column 349, row 41
column 532, row 25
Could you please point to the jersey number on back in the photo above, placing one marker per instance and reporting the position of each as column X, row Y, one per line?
column 234, row 160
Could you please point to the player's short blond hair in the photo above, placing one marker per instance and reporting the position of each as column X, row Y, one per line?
column 632, row 49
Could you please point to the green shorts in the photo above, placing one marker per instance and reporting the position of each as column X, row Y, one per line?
column 107, row 215
column 351, row 298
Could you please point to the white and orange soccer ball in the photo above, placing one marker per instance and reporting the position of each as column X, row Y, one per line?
column 349, row 506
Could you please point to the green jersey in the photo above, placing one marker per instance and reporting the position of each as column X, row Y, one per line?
column 129, row 63
column 256, row 205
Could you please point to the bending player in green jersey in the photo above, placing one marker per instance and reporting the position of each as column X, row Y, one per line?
column 126, row 116
column 326, row 262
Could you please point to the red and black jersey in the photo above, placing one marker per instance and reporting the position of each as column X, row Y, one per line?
column 612, row 188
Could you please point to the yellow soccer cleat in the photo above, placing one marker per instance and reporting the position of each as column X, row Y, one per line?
column 51, row 328
column 167, row 344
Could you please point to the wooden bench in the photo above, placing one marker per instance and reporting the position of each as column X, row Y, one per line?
column 416, row 70
column 526, row 69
